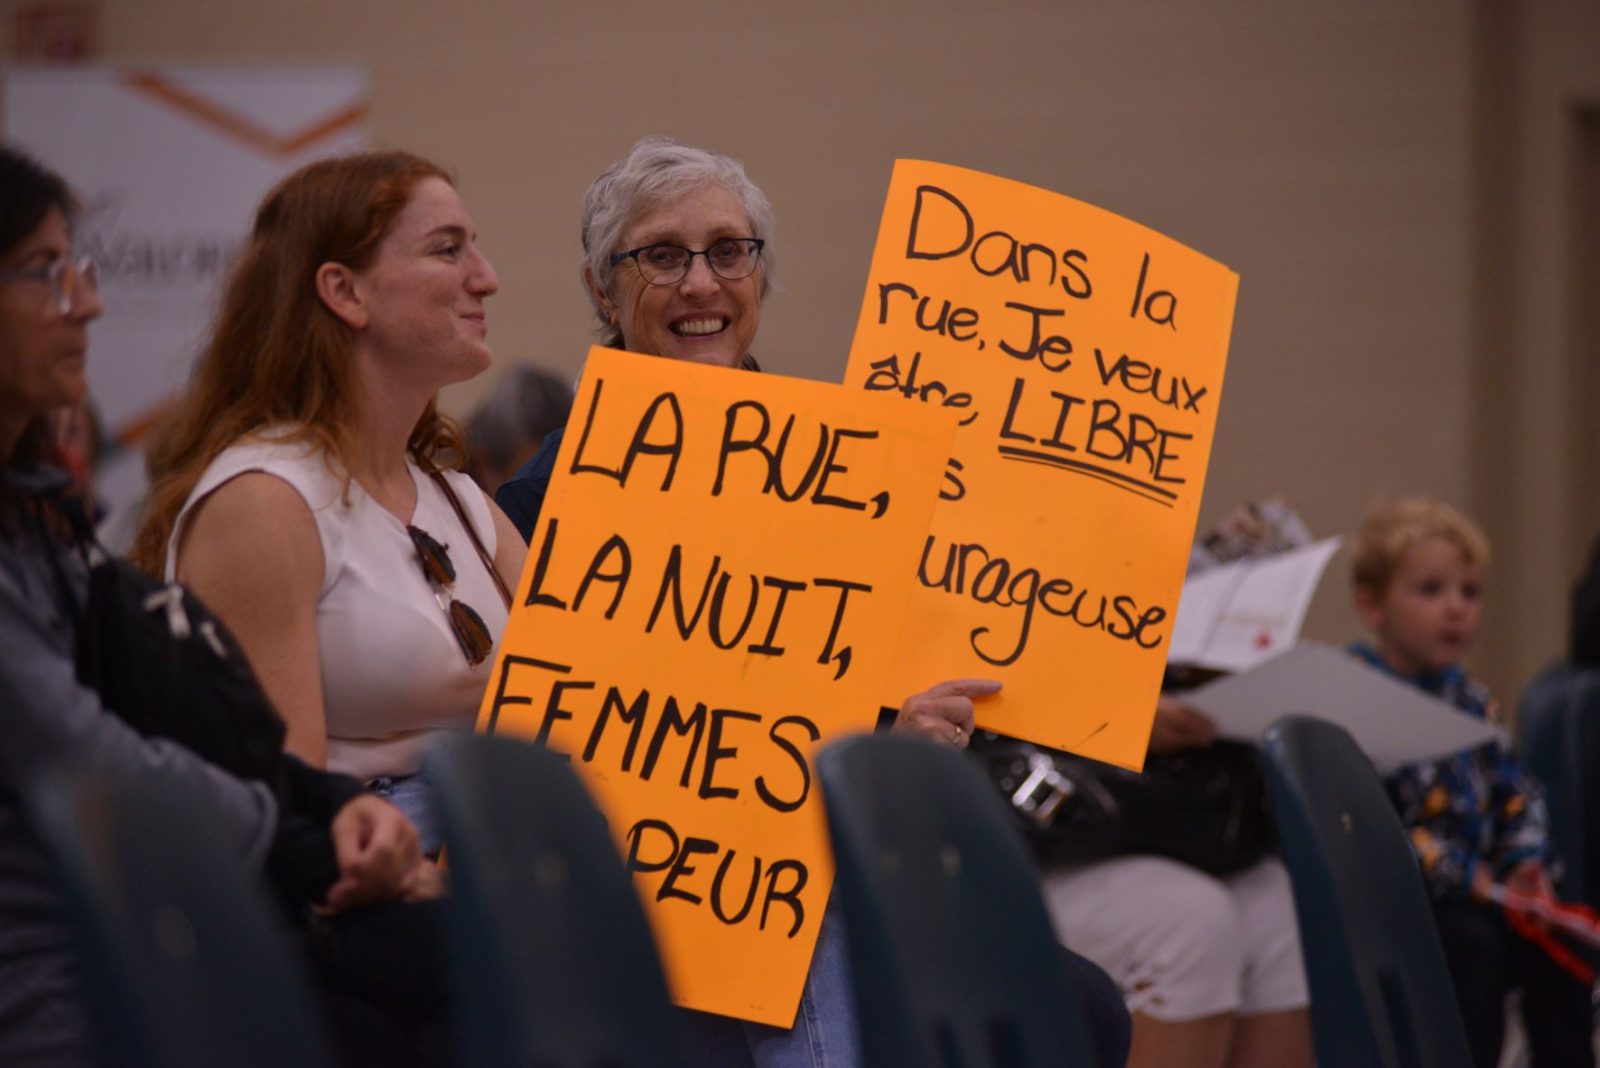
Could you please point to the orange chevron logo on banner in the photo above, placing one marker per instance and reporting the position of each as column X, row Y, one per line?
column 217, row 117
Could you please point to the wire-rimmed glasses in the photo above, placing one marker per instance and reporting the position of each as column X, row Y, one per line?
column 64, row 279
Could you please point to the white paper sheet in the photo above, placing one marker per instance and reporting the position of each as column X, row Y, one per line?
column 1393, row 722
column 1235, row 616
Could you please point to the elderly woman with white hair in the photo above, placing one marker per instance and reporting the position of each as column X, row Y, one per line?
column 678, row 258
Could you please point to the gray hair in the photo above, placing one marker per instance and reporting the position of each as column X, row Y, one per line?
column 655, row 170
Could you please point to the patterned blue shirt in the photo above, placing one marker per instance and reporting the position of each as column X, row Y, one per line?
column 1476, row 807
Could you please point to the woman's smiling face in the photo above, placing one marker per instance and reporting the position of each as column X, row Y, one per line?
column 703, row 317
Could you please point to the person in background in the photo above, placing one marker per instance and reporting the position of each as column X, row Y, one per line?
column 508, row 427
column 1475, row 819
column 1210, row 965
column 305, row 488
column 1188, row 907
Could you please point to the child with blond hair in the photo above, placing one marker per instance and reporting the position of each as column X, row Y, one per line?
column 1474, row 819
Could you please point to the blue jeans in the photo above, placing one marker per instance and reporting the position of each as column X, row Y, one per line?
column 824, row 1031
column 413, row 795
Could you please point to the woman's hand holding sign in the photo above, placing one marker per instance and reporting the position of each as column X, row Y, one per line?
column 1178, row 727
column 944, row 712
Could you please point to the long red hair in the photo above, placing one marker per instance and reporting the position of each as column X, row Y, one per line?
column 277, row 356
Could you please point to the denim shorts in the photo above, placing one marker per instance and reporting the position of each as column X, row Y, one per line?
column 413, row 795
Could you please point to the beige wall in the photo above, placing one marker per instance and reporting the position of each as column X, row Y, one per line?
column 1342, row 158
column 1533, row 464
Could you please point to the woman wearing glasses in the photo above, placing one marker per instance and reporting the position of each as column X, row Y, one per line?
column 305, row 488
column 55, row 725
column 677, row 260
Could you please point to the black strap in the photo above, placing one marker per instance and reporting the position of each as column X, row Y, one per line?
column 477, row 543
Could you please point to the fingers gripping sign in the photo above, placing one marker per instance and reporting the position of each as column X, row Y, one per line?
column 944, row 712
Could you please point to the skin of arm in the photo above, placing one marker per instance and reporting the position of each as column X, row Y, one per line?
column 509, row 547
column 250, row 551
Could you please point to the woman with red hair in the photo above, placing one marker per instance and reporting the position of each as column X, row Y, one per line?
column 306, row 486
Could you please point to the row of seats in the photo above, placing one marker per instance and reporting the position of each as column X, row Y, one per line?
column 1558, row 730
column 954, row 960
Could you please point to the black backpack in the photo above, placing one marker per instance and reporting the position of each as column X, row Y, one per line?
column 167, row 667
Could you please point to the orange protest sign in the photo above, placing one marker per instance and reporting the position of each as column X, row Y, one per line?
column 714, row 589
column 1083, row 354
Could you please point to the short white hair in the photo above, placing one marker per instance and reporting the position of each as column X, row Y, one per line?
column 657, row 170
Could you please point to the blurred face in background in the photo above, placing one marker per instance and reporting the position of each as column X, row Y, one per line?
column 46, row 305
column 1427, row 617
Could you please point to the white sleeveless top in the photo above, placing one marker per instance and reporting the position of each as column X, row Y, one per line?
column 393, row 675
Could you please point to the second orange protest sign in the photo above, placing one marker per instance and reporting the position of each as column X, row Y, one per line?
column 1083, row 355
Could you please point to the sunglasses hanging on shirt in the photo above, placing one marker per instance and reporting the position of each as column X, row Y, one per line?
column 471, row 633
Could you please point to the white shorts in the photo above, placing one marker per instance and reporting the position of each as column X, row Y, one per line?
column 1180, row 943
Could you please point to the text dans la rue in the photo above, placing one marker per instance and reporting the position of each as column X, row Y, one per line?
column 1097, row 419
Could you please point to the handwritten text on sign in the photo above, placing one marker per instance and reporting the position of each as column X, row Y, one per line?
column 1083, row 355
column 715, row 588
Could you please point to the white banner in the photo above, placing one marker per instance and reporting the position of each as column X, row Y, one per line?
column 171, row 163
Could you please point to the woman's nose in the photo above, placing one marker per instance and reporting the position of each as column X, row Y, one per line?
column 700, row 277
column 86, row 305
column 484, row 281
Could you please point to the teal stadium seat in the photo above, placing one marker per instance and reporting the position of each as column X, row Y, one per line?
column 555, row 964
column 184, row 961
column 1381, row 994
column 954, row 959
column 1558, row 740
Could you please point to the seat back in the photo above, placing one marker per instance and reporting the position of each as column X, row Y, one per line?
column 1381, row 993
column 954, row 959
column 1558, row 739
column 555, row 963
column 184, row 960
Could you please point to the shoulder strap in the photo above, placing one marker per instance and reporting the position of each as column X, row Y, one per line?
column 477, row 543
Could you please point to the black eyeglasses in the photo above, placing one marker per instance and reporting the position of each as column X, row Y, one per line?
column 472, row 634
column 732, row 258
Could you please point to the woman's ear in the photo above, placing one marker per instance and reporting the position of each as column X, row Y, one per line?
column 337, row 288
column 607, row 306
